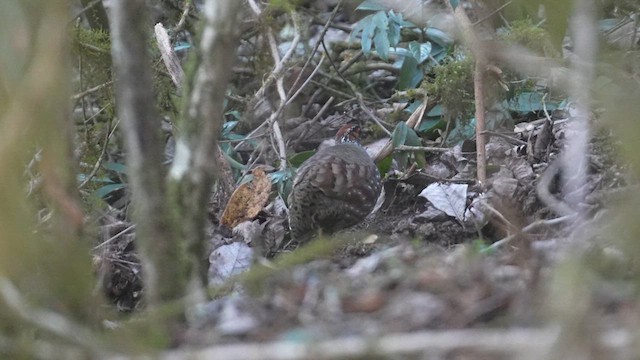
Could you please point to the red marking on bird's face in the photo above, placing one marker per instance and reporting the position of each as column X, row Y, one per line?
column 348, row 133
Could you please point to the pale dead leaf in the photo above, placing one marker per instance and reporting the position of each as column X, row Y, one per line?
column 229, row 260
column 247, row 200
column 450, row 198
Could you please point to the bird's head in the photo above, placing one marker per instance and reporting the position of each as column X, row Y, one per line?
column 348, row 134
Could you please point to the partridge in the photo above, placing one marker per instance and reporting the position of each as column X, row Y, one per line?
column 335, row 188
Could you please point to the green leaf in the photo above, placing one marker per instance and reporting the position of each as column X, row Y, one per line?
column 234, row 114
column 462, row 131
column 381, row 37
column 245, row 179
column 384, row 165
column 419, row 51
column 297, row 159
column 399, row 135
column 410, row 74
column 368, row 30
column 527, row 102
column 438, row 53
column 436, row 111
column 281, row 175
column 428, row 125
column 370, row 5
column 395, row 21
column 117, row 167
column 108, row 189
column 439, row 37
column 228, row 126
column 412, row 138
column 233, row 163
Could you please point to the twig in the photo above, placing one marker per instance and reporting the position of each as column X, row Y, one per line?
column 323, row 109
column 332, row 90
column 87, row 8
column 91, row 90
column 358, row 95
column 370, row 114
column 40, row 349
column 315, row 70
column 560, row 207
column 96, row 167
column 372, row 67
column 315, row 49
column 420, row 148
column 49, row 321
column 518, row 342
column 534, row 225
column 273, row 119
column 276, row 75
column 506, row 137
column 183, row 17
column 492, row 13
column 478, row 86
column 411, row 122
column 114, row 237
column 575, row 160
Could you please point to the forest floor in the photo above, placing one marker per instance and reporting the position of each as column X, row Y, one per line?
column 410, row 267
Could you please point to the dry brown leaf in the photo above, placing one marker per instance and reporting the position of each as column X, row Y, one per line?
column 247, row 200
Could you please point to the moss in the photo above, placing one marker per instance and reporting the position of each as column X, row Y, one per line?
column 453, row 84
column 94, row 48
column 534, row 38
column 285, row 5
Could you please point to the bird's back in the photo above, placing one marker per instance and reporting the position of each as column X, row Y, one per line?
column 334, row 189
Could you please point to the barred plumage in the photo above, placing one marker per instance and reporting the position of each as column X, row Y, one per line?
column 334, row 189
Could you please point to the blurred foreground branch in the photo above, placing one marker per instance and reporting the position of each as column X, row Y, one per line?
column 519, row 343
column 160, row 252
column 197, row 161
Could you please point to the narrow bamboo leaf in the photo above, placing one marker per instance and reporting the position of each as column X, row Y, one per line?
column 399, row 135
column 108, row 189
column 117, row 167
column 297, row 159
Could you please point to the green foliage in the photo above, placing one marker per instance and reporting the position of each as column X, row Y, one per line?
column 381, row 30
column 93, row 49
column 404, row 135
column 534, row 38
column 284, row 5
column 452, row 82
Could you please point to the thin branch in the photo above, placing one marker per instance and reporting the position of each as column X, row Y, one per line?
column 533, row 343
column 91, row 90
column 492, row 13
column 315, row 48
column 534, row 225
column 49, row 321
column 370, row 114
column 306, row 82
column 544, row 194
column 160, row 252
column 575, row 160
column 420, row 148
column 114, row 237
column 96, row 167
column 276, row 75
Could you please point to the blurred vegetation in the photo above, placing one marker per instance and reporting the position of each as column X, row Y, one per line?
column 50, row 144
